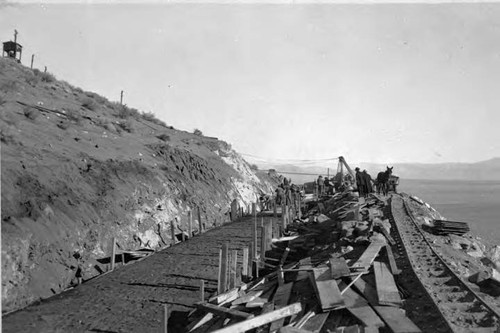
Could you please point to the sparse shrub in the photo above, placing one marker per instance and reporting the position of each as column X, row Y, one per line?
column 171, row 127
column 124, row 112
column 149, row 116
column 63, row 124
column 2, row 100
column 126, row 125
column 254, row 167
column 78, row 90
column 30, row 113
column 197, row 132
column 47, row 77
column 32, row 79
column 160, row 122
column 43, row 76
column 164, row 137
column 89, row 103
column 97, row 98
column 8, row 86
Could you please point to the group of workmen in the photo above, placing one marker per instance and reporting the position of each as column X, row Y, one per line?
column 324, row 186
column 287, row 192
column 364, row 182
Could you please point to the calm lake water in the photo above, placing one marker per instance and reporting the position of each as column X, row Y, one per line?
column 475, row 202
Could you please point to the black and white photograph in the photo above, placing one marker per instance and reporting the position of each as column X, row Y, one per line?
column 260, row 166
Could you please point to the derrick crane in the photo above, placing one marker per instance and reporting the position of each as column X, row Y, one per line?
column 344, row 178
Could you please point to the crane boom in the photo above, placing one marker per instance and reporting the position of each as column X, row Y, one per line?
column 344, row 163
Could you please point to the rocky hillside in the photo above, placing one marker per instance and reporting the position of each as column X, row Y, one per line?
column 78, row 170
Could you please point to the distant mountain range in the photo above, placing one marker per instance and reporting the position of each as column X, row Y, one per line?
column 484, row 170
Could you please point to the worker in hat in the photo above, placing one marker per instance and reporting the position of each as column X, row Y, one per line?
column 360, row 181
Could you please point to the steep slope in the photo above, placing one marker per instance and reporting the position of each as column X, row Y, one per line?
column 93, row 170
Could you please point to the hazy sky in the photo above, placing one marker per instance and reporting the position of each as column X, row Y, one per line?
column 375, row 83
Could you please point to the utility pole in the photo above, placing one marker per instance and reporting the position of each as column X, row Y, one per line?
column 32, row 58
column 45, row 70
column 121, row 98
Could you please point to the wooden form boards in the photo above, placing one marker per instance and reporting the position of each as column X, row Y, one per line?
column 339, row 268
column 327, row 289
column 367, row 258
column 280, row 300
column 396, row 320
column 261, row 320
column 387, row 291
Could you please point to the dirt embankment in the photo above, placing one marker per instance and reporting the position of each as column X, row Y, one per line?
column 94, row 170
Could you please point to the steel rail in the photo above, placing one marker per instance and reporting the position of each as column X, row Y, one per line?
column 482, row 301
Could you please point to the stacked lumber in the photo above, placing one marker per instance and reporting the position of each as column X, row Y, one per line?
column 442, row 227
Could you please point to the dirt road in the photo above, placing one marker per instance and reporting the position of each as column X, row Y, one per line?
column 131, row 298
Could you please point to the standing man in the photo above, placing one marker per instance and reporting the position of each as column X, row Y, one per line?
column 368, row 181
column 360, row 182
column 321, row 185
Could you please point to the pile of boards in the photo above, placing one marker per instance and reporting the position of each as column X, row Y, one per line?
column 353, row 292
column 442, row 227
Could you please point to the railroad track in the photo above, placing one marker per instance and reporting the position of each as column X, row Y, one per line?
column 461, row 307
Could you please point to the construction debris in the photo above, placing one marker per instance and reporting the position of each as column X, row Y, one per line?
column 321, row 272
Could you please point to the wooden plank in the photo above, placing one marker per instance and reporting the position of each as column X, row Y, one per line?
column 250, row 296
column 254, row 235
column 222, row 311
column 387, row 290
column 284, row 256
column 223, row 268
column 165, row 318
column 367, row 258
column 315, row 324
column 250, row 260
column 262, row 244
column 219, row 275
column 392, row 262
column 327, row 290
column 367, row 290
column 200, row 223
column 202, row 290
column 396, row 320
column 244, row 271
column 371, row 329
column 366, row 316
column 268, row 307
column 261, row 300
column 113, row 252
column 261, row 320
column 283, row 216
column 268, row 226
column 306, row 264
column 233, row 269
column 339, row 268
column 190, row 223
column 226, row 297
column 280, row 300
column 352, row 299
column 289, row 329
column 349, row 329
